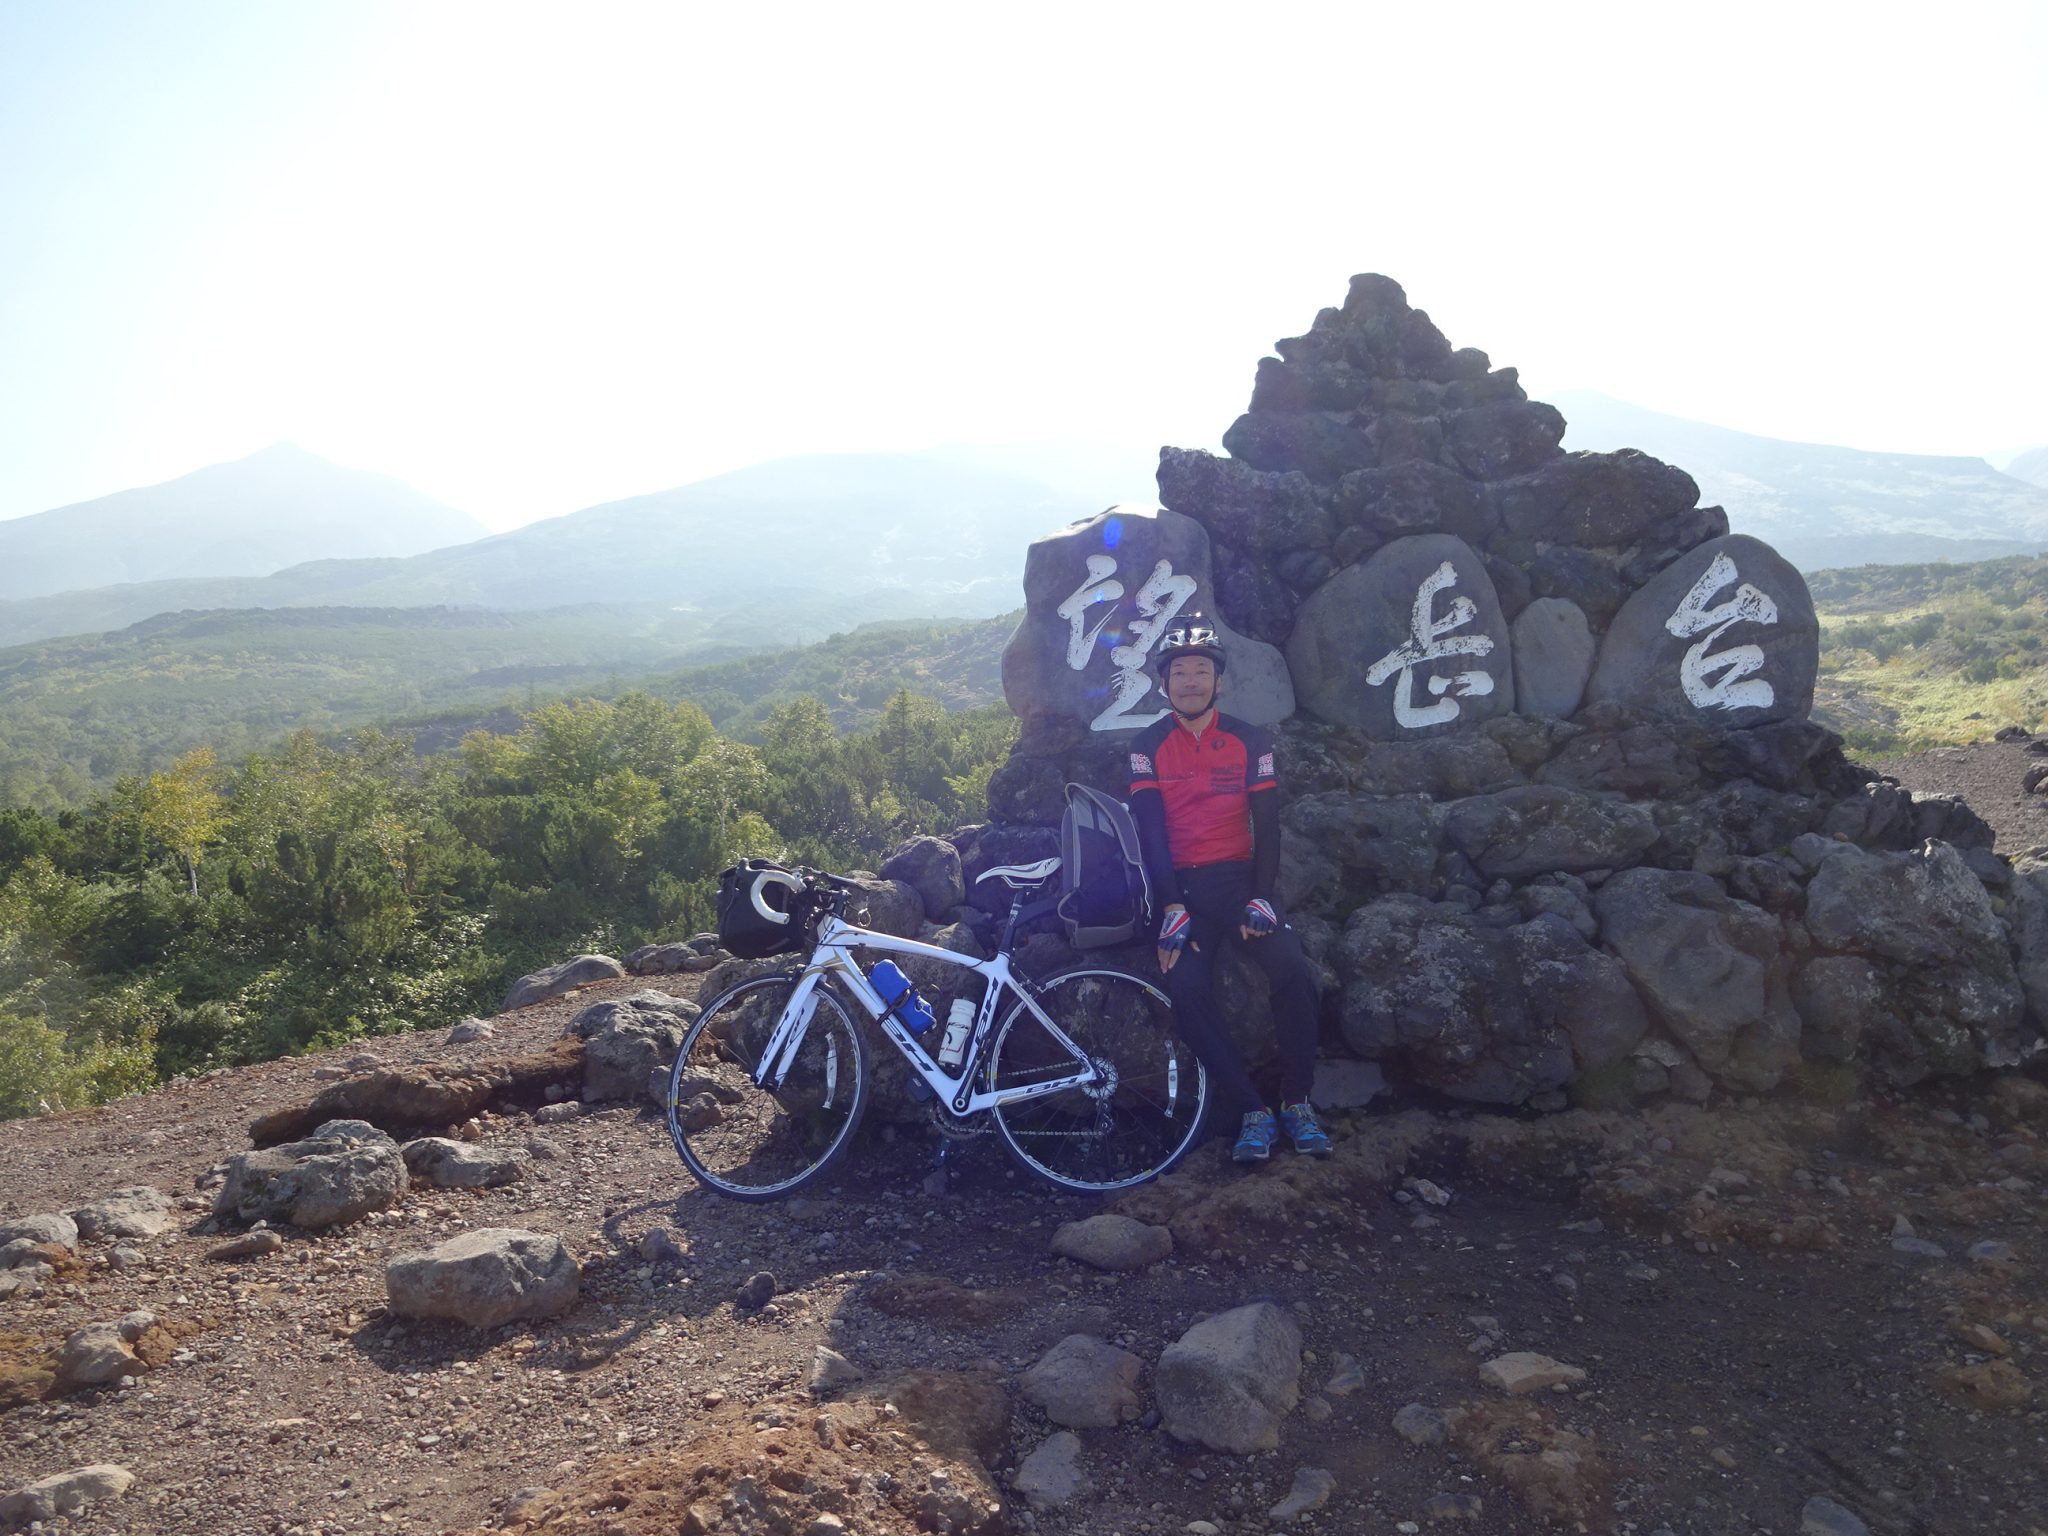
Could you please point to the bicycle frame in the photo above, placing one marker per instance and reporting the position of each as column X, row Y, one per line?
column 833, row 959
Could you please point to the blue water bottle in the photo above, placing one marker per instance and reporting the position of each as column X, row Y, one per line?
column 900, row 997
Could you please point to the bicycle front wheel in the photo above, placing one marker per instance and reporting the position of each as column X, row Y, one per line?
column 745, row 1141
column 1145, row 1109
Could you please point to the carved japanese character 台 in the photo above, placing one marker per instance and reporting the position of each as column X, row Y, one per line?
column 1722, row 679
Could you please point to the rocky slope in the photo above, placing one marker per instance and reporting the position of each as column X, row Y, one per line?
column 1769, row 1302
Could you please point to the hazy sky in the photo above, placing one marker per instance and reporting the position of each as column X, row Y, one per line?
column 530, row 258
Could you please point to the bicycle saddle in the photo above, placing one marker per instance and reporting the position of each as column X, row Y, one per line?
column 1017, row 876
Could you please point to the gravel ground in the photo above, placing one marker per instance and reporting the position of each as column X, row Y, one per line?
column 1725, row 1276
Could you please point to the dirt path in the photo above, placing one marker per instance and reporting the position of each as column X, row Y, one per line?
column 1745, row 1349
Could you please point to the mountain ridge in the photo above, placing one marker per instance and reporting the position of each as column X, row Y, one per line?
column 244, row 518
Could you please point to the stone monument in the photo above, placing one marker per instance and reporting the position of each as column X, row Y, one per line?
column 1557, row 822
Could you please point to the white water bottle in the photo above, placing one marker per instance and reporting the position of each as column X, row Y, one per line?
column 959, row 1025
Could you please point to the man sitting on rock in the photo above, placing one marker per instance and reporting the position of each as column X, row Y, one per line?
column 1202, row 787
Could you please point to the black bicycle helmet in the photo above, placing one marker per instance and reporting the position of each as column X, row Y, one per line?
column 1191, row 634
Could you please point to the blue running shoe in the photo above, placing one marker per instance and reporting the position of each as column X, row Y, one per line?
column 1255, row 1137
column 1309, row 1138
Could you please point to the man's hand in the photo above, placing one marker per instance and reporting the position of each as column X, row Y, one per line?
column 1259, row 919
column 1173, row 936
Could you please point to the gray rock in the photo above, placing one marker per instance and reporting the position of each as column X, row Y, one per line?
column 66, row 1493
column 1311, row 1489
column 1537, row 829
column 1712, row 968
column 1112, row 1242
column 555, row 1114
column 1267, row 515
column 96, row 1356
column 831, row 1372
column 557, row 979
column 486, row 1278
column 931, row 867
column 1341, row 1084
column 137, row 1211
column 342, row 1172
column 1051, row 1475
column 250, row 1245
column 1397, row 499
column 1227, row 1382
column 1522, row 1371
column 1553, row 649
column 755, row 1292
column 470, row 1030
column 1107, row 573
column 448, row 1164
column 1597, row 499
column 627, row 1038
column 891, row 906
column 1419, row 1424
column 1452, row 1506
column 1838, row 996
column 1726, row 634
column 1337, row 846
column 1506, row 437
column 1346, row 1377
column 1822, row 1516
column 1084, row 1383
column 1992, row 1250
column 1353, row 635
column 47, row 1228
column 2027, row 915
column 1920, row 1247
column 1953, row 1002
column 1487, row 1013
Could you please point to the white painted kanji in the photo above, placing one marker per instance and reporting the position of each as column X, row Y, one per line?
column 1158, row 601
column 1430, row 638
column 1721, row 679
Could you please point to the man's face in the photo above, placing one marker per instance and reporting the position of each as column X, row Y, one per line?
column 1191, row 684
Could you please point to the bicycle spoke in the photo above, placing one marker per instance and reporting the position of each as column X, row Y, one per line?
column 1121, row 1129
column 751, row 1142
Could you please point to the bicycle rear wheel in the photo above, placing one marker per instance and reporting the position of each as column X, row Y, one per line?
column 1132, row 1125
column 745, row 1141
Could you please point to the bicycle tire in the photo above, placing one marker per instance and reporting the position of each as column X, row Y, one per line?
column 1136, row 1125
column 746, row 1142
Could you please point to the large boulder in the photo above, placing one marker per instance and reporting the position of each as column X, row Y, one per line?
column 1097, row 596
column 1338, row 849
column 930, row 866
column 342, row 1172
column 1263, row 513
column 627, row 1038
column 1726, row 634
column 1535, row 829
column 65, row 1493
column 557, row 979
column 1083, row 1383
column 1484, row 1010
column 137, row 1211
column 1228, row 1381
column 51, row 1227
column 1410, row 642
column 486, row 1278
column 1712, row 968
column 1597, row 499
column 2028, row 914
column 1955, row 1003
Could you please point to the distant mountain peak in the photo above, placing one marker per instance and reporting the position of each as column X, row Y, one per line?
column 277, row 507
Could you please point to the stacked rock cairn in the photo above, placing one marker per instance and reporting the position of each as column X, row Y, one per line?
column 1557, row 825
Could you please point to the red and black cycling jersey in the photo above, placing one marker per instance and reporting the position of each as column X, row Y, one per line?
column 1199, row 795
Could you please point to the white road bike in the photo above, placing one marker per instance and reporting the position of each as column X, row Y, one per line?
column 1081, row 1071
